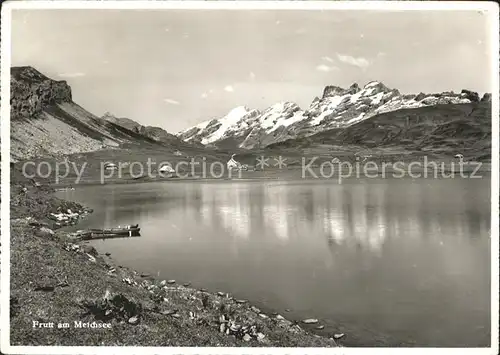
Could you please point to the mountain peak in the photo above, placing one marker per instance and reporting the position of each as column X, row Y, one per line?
column 238, row 111
column 332, row 90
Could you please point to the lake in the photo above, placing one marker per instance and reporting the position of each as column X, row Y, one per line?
column 385, row 261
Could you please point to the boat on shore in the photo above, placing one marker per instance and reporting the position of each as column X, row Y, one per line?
column 105, row 233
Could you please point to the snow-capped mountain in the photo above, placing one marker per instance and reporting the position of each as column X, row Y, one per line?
column 337, row 108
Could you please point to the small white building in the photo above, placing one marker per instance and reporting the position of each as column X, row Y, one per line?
column 110, row 166
column 166, row 169
column 233, row 164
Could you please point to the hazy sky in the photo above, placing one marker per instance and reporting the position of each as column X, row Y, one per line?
column 176, row 68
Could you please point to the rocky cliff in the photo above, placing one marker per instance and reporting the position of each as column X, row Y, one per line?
column 31, row 91
column 46, row 122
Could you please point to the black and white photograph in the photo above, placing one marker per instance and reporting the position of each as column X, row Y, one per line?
column 226, row 176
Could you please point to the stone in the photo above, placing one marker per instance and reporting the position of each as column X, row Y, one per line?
column 310, row 321
column 38, row 224
column 320, row 327
column 89, row 249
column 241, row 301
column 263, row 316
column 133, row 320
column 44, row 232
column 235, row 327
column 168, row 312
column 255, row 309
column 171, row 282
column 247, row 337
column 338, row 335
column 45, row 288
column 163, row 283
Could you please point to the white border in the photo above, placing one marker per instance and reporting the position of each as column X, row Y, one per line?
column 489, row 8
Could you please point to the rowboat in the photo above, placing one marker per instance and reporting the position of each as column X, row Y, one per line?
column 124, row 231
column 93, row 233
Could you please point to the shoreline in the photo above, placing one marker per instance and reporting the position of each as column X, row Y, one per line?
column 286, row 175
column 50, row 271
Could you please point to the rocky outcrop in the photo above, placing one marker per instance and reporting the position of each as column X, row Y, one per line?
column 31, row 91
column 337, row 108
column 46, row 122
column 486, row 98
column 332, row 90
column 471, row 95
column 122, row 121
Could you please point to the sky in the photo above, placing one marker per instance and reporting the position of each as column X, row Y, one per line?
column 177, row 68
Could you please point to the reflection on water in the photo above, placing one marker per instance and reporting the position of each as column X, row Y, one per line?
column 409, row 259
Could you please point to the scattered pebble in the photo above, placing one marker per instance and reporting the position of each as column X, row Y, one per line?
column 45, row 288
column 128, row 281
column 260, row 336
column 235, row 327
column 221, row 294
column 187, row 284
column 280, row 317
column 255, row 309
column 310, row 321
column 170, row 282
column 247, row 337
column 133, row 320
column 338, row 335
column 319, row 327
column 287, row 310
column 262, row 315
column 89, row 249
column 163, row 283
column 44, row 232
column 241, row 301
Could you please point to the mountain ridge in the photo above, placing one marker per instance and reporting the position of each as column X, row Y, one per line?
column 337, row 108
column 157, row 134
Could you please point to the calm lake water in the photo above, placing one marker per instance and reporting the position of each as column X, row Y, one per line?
column 385, row 261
